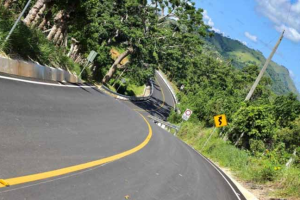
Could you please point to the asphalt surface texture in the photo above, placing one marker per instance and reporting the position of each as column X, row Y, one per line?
column 44, row 128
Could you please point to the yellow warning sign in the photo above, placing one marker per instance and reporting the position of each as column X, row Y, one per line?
column 220, row 120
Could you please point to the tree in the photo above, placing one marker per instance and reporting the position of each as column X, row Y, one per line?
column 116, row 65
column 286, row 109
column 290, row 136
column 256, row 124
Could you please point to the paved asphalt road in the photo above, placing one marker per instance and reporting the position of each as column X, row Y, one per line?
column 44, row 128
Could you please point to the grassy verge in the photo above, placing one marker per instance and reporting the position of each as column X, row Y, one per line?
column 137, row 90
column 261, row 169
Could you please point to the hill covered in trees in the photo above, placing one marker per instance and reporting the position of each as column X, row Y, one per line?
column 241, row 56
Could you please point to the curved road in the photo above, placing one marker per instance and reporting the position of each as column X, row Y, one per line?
column 54, row 128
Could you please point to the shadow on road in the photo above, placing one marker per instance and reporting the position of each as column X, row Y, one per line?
column 155, row 107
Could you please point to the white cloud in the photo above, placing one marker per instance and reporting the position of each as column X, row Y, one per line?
column 251, row 37
column 284, row 15
column 207, row 19
column 292, row 74
column 290, row 33
column 217, row 30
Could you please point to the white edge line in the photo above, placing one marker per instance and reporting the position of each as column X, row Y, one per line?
column 237, row 194
column 43, row 83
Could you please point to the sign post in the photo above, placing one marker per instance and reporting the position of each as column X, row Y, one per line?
column 122, row 81
column 185, row 117
column 90, row 59
column 220, row 121
column 187, row 114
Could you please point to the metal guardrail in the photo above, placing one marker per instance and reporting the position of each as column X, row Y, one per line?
column 131, row 98
column 155, row 119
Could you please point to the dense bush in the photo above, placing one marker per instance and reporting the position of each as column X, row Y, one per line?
column 258, row 125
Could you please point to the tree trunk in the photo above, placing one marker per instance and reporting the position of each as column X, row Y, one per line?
column 60, row 41
column 58, row 20
column 52, row 32
column 71, row 49
column 34, row 11
column 78, row 59
column 74, row 52
column 57, row 34
column 65, row 42
column 39, row 15
column 113, row 68
column 7, row 3
column 45, row 20
column 42, row 24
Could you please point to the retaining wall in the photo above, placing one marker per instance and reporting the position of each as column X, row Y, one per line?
column 32, row 70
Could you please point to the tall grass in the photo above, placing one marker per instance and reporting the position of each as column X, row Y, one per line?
column 261, row 169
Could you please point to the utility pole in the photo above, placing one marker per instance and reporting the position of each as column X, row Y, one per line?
column 16, row 23
column 264, row 68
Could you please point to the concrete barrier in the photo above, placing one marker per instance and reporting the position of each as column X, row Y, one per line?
column 32, row 70
column 60, row 75
column 47, row 73
column 53, row 74
column 40, row 70
column 27, row 69
column 9, row 66
column 73, row 78
column 67, row 76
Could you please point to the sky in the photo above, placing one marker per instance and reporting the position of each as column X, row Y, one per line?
column 258, row 24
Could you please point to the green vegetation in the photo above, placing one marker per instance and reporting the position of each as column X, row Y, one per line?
column 137, row 90
column 244, row 57
column 31, row 44
column 241, row 56
column 262, row 134
column 128, row 88
column 217, row 73
column 260, row 169
column 264, row 130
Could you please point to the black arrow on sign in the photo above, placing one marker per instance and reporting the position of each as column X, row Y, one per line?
column 220, row 121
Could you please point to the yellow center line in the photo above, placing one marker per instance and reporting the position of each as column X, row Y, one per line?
column 163, row 103
column 67, row 170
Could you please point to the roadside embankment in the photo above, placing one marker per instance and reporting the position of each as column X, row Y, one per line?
column 36, row 71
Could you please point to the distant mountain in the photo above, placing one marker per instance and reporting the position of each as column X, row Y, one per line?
column 243, row 56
